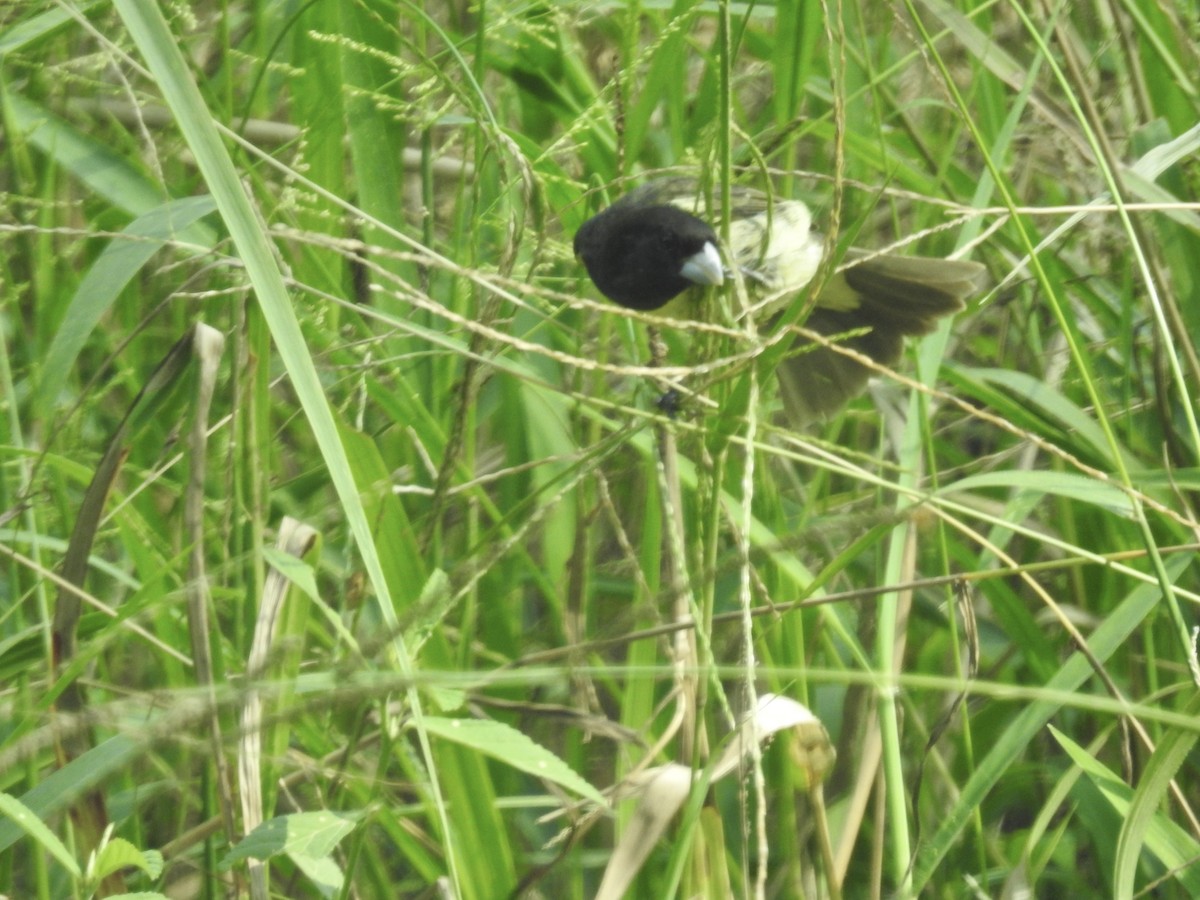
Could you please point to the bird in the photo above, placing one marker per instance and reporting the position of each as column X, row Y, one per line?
column 656, row 244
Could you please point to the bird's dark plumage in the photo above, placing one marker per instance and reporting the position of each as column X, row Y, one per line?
column 653, row 244
column 638, row 254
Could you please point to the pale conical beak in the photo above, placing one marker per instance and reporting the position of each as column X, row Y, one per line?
column 704, row 267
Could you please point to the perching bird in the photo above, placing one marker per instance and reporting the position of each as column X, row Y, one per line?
column 651, row 246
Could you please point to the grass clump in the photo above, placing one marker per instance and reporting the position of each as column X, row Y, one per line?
column 351, row 547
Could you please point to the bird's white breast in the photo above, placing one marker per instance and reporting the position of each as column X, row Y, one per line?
column 777, row 248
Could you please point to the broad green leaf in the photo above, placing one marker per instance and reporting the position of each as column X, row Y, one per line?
column 1174, row 847
column 22, row 817
column 60, row 788
column 510, row 746
column 110, row 273
column 311, row 834
column 1037, row 395
column 1169, row 755
column 119, row 854
column 105, row 172
column 1063, row 484
column 1110, row 636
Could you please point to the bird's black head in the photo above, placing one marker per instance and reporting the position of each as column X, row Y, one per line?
column 642, row 256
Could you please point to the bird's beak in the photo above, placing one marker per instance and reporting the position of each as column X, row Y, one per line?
column 704, row 267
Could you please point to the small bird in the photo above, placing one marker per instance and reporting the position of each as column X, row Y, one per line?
column 652, row 245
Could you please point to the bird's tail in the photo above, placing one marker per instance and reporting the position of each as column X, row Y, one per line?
column 894, row 297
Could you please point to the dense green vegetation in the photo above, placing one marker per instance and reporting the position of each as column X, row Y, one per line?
column 417, row 564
